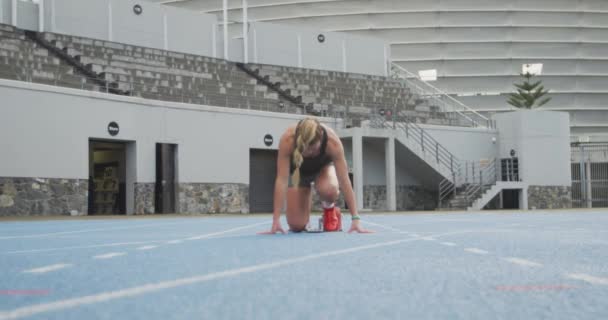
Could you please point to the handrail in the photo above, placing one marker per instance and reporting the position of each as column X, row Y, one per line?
column 398, row 71
column 421, row 138
column 475, row 179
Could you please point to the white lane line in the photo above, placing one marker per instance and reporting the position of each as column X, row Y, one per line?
column 88, row 230
column 147, row 248
column 476, row 251
column 428, row 239
column 137, row 242
column 50, row 268
column 383, row 226
column 448, row 244
column 153, row 287
column 118, row 244
column 588, row 278
column 523, row 262
column 174, row 241
column 209, row 235
column 109, row 255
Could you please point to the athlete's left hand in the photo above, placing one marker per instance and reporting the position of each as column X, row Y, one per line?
column 355, row 226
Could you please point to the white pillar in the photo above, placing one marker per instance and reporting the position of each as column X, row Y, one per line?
column 214, row 39
column 41, row 16
column 344, row 56
column 358, row 167
column 225, row 10
column 14, row 4
column 110, row 22
column 53, row 20
column 523, row 198
column 387, row 60
column 166, row 31
column 245, row 33
column 391, row 175
column 299, row 51
column 589, row 193
column 255, row 46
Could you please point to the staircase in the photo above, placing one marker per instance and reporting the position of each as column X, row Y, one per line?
column 472, row 187
column 459, row 113
column 86, row 71
column 422, row 144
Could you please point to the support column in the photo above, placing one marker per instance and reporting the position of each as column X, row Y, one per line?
column 589, row 193
column 14, row 5
column 41, row 16
column 225, row 26
column 523, row 198
column 358, row 167
column 245, row 33
column 391, row 175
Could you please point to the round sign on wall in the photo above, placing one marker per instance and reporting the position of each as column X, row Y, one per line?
column 268, row 140
column 113, row 128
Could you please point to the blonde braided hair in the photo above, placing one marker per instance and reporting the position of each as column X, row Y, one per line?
column 307, row 133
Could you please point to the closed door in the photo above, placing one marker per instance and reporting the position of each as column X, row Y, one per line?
column 262, row 175
column 166, row 184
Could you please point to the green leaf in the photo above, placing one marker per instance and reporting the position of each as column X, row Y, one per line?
column 544, row 102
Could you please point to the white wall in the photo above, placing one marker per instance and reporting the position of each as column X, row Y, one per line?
column 5, row 11
column 175, row 29
column 278, row 45
column 464, row 143
column 190, row 33
column 69, row 17
column 541, row 140
column 45, row 132
column 374, row 164
column 159, row 27
column 144, row 30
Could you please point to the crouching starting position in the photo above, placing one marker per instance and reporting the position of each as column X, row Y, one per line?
column 312, row 152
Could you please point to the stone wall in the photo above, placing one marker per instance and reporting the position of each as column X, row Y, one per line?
column 549, row 197
column 374, row 197
column 213, row 198
column 42, row 196
column 415, row 198
column 144, row 198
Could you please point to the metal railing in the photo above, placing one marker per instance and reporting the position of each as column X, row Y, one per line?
column 471, row 181
column 428, row 145
column 440, row 99
column 589, row 165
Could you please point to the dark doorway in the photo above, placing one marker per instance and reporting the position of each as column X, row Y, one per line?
column 107, row 177
column 166, row 178
column 510, row 199
column 262, row 175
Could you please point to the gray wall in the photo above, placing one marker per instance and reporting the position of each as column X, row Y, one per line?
column 159, row 27
column 45, row 133
column 5, row 11
column 374, row 165
column 66, row 17
column 541, row 140
column 466, row 143
column 189, row 32
column 146, row 29
column 278, row 45
column 28, row 15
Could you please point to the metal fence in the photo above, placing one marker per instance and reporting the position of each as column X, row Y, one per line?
column 589, row 163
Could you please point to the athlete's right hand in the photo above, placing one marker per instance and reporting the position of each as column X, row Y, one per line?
column 276, row 227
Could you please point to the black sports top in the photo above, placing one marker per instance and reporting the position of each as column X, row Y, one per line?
column 313, row 165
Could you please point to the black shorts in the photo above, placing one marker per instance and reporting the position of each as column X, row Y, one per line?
column 305, row 180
